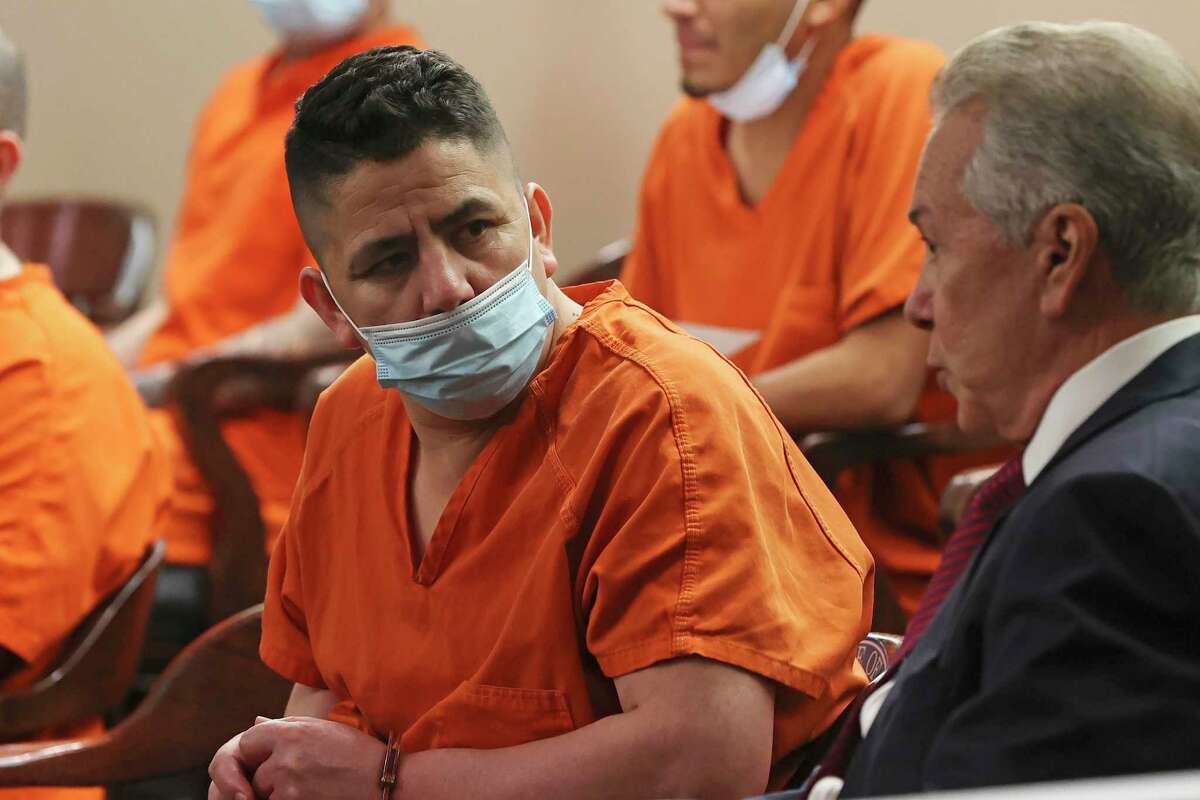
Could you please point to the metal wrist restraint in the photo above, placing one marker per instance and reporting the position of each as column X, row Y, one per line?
column 388, row 773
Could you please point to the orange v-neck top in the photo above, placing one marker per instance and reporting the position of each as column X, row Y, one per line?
column 828, row 248
column 638, row 504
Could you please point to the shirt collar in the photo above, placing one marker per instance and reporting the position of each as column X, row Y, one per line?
column 1084, row 392
column 10, row 265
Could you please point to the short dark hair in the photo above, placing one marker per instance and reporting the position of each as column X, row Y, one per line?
column 13, row 100
column 380, row 106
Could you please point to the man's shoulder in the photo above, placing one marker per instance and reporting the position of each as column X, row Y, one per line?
column 344, row 411
column 639, row 358
column 876, row 65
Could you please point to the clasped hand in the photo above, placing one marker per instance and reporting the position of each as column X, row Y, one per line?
column 296, row 758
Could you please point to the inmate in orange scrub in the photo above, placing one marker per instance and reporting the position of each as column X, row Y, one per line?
column 235, row 262
column 81, row 481
column 827, row 249
column 638, row 504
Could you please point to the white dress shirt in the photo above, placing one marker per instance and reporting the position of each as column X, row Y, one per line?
column 1084, row 392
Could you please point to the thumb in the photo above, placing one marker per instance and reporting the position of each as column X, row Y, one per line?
column 261, row 720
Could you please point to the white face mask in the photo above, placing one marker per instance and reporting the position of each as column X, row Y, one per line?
column 312, row 19
column 770, row 79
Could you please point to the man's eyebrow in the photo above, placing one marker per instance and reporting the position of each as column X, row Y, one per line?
column 366, row 255
column 466, row 209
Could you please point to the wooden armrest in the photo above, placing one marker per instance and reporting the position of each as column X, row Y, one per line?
column 212, row 691
column 98, row 663
column 832, row 452
column 605, row 265
column 957, row 496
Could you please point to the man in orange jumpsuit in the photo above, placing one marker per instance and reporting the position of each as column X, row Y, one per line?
column 230, row 282
column 82, row 483
column 544, row 541
column 772, row 224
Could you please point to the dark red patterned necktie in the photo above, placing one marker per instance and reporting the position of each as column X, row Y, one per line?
column 995, row 496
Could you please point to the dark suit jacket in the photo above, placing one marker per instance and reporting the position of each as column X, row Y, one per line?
column 1071, row 647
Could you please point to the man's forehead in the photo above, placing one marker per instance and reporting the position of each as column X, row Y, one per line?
column 949, row 150
column 436, row 174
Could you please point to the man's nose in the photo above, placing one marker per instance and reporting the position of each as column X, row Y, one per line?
column 444, row 284
column 678, row 10
column 918, row 308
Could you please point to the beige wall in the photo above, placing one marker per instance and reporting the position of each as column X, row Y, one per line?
column 581, row 86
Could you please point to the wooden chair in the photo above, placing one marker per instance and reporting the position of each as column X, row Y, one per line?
column 97, row 665
column 101, row 252
column 206, row 394
column 832, row 452
column 957, row 496
column 605, row 265
column 210, row 692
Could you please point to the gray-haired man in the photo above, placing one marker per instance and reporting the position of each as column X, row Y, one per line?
column 1059, row 198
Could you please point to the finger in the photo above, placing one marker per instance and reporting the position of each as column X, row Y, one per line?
column 264, row 780
column 256, row 744
column 228, row 775
column 260, row 720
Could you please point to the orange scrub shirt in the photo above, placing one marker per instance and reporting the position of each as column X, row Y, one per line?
column 235, row 262
column 81, row 481
column 640, row 503
column 827, row 249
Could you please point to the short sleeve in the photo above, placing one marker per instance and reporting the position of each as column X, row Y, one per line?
column 716, row 539
column 43, row 560
column 285, row 645
column 882, row 249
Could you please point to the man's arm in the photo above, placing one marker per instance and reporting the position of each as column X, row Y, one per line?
column 305, row 701
column 129, row 338
column 871, row 377
column 689, row 728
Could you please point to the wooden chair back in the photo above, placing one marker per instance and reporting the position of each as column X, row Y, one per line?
column 100, row 251
column 98, row 663
column 207, row 393
column 605, row 265
column 210, row 692
column 957, row 496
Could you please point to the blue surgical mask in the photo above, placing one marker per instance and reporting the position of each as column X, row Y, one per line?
column 471, row 362
column 771, row 78
column 312, row 19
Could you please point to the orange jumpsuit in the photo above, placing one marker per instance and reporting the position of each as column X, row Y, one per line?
column 639, row 504
column 82, row 482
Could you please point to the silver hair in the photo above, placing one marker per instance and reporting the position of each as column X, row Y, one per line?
column 1101, row 114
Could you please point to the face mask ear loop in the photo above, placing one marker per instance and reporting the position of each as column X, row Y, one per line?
column 793, row 22
column 329, row 289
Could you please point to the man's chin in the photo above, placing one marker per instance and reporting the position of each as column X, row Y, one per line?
column 692, row 89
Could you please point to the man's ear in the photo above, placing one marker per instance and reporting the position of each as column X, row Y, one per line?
column 317, row 295
column 821, row 14
column 540, row 215
column 11, row 152
column 1065, row 244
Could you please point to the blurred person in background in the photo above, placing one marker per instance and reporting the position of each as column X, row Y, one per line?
column 82, row 481
column 772, row 224
column 230, row 282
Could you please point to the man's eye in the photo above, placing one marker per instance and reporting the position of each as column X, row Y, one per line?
column 477, row 228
